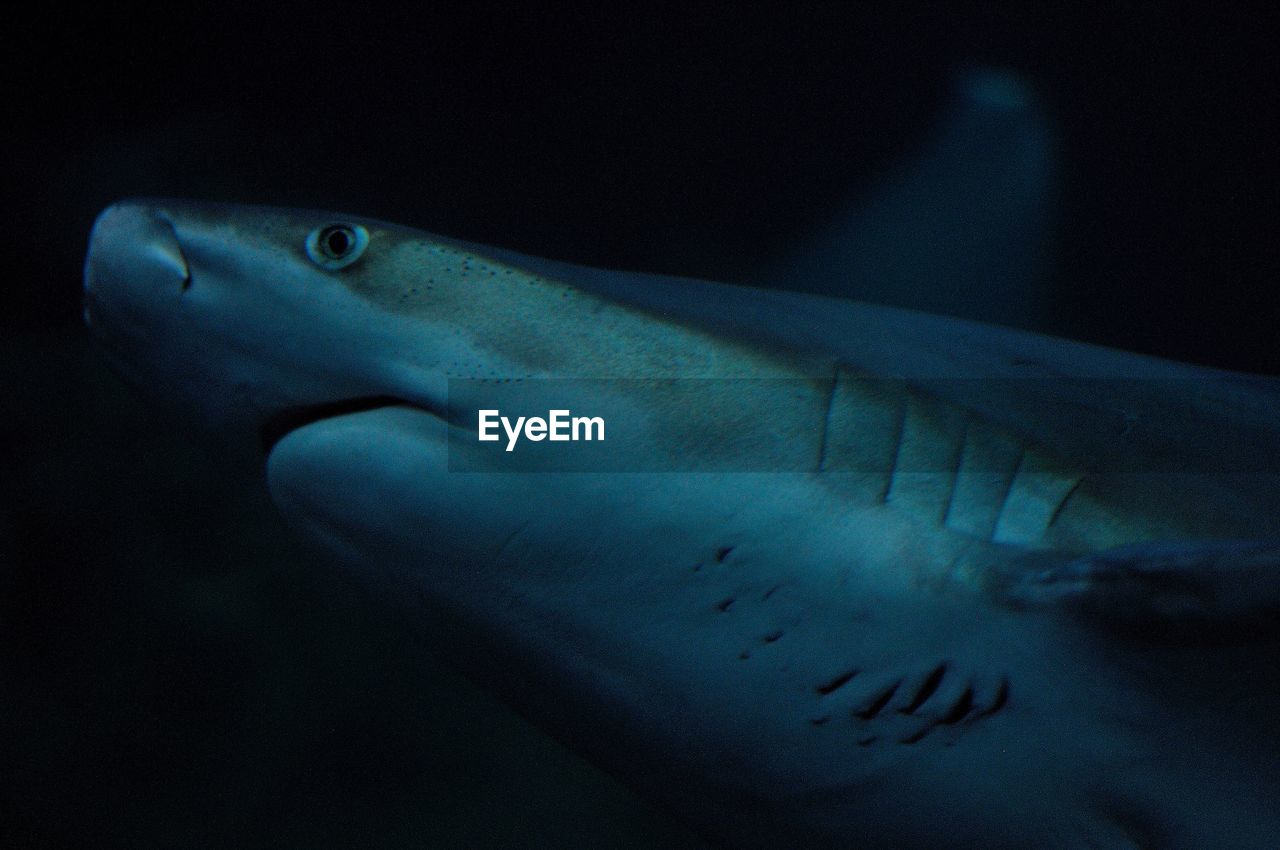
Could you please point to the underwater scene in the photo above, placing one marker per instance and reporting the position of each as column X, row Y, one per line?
column 817, row 425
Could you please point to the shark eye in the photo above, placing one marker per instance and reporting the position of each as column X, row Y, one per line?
column 336, row 246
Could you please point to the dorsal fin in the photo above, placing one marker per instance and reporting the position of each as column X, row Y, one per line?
column 961, row 228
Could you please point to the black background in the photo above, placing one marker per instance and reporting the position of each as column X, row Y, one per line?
column 172, row 669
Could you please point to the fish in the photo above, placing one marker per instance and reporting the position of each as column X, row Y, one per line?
column 837, row 573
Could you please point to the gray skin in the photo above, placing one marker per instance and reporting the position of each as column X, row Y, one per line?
column 1018, row 597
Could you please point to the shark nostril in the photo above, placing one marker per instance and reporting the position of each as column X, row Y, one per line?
column 176, row 255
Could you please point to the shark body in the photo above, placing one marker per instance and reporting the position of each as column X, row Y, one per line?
column 997, row 589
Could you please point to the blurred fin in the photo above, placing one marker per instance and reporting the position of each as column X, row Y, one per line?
column 1202, row 587
column 962, row 228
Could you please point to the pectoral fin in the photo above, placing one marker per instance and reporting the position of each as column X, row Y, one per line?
column 1200, row 586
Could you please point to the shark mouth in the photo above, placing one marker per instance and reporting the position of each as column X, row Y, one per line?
column 291, row 419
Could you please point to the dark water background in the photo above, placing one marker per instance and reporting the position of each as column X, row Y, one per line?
column 174, row 669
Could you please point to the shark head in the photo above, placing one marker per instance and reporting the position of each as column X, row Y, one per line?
column 288, row 335
column 255, row 321
column 250, row 320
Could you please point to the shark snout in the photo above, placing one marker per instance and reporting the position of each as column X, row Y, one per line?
column 135, row 269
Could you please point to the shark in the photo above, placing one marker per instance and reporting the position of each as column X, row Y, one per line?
column 840, row 573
